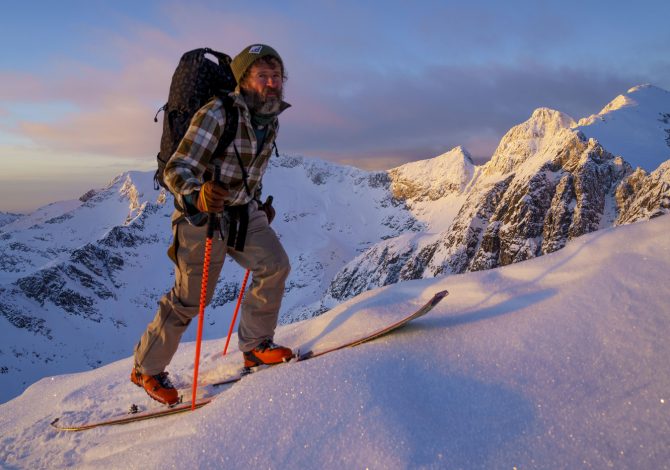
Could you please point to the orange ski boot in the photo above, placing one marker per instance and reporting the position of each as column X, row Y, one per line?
column 157, row 386
column 267, row 353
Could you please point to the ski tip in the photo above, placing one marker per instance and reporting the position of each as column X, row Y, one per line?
column 439, row 296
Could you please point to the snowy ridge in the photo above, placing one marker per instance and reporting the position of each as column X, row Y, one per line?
column 537, row 137
column 433, row 178
column 8, row 217
column 635, row 125
column 516, row 368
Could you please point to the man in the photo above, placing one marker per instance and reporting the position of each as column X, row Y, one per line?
column 247, row 236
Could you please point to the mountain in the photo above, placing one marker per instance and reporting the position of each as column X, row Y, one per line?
column 557, row 362
column 635, row 125
column 549, row 181
column 8, row 217
column 79, row 280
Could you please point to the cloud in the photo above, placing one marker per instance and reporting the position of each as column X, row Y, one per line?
column 440, row 108
column 427, row 91
column 114, row 101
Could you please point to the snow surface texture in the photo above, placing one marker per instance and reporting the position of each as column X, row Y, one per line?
column 556, row 362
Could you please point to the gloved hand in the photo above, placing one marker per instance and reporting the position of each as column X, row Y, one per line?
column 270, row 211
column 211, row 197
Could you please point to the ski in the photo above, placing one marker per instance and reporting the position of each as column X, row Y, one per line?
column 381, row 332
column 133, row 417
column 310, row 354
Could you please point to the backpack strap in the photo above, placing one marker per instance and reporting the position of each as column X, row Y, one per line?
column 228, row 137
column 230, row 127
column 229, row 131
column 245, row 174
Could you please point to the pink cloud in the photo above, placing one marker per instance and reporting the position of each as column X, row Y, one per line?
column 21, row 87
column 115, row 105
column 122, row 127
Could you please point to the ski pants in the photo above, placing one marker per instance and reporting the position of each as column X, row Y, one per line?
column 263, row 254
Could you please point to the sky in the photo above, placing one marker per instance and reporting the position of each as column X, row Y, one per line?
column 372, row 84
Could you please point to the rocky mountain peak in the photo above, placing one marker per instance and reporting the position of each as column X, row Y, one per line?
column 528, row 139
column 433, row 178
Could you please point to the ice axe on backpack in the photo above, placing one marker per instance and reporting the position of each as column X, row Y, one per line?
column 266, row 204
column 212, row 225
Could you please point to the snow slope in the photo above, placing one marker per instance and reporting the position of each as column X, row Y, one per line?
column 622, row 127
column 555, row 362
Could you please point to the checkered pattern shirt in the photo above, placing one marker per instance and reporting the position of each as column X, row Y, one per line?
column 186, row 168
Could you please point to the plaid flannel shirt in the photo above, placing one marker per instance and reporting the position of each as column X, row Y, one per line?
column 186, row 168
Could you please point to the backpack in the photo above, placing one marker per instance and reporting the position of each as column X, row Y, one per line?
column 195, row 81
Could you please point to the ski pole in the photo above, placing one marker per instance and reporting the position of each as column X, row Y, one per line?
column 237, row 308
column 211, row 228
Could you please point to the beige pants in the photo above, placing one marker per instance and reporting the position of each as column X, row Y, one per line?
column 263, row 254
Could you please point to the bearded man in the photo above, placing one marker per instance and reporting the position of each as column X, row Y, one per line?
column 246, row 234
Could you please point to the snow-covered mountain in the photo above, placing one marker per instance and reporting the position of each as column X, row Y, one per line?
column 557, row 362
column 8, row 217
column 79, row 280
column 550, row 180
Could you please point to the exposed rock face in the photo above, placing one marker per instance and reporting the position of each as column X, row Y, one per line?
column 642, row 196
column 545, row 185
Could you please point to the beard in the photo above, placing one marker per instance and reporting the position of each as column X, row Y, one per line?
column 266, row 102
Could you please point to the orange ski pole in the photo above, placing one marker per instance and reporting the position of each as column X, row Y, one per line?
column 211, row 228
column 237, row 309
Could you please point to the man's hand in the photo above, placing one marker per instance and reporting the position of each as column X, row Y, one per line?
column 268, row 209
column 211, row 197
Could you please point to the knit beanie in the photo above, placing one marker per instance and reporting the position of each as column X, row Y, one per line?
column 244, row 59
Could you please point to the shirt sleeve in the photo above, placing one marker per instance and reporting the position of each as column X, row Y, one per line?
column 185, row 169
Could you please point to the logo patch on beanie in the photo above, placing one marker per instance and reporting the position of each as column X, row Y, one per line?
column 256, row 50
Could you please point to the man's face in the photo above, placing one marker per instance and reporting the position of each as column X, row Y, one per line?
column 262, row 87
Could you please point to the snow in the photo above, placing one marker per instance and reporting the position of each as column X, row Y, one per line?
column 556, row 362
column 434, row 189
column 618, row 126
column 533, row 140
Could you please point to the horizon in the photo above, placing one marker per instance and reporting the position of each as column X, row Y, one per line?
column 79, row 96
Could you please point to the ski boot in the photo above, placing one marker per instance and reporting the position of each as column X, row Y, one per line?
column 267, row 353
column 157, row 386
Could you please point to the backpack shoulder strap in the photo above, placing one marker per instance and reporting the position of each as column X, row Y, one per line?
column 228, row 136
column 230, row 128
